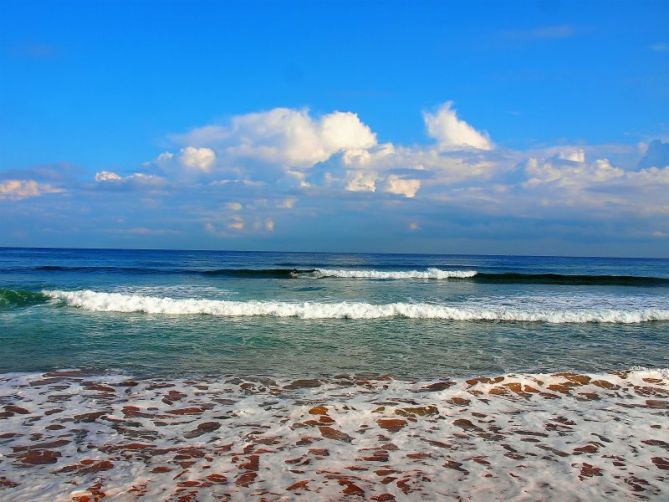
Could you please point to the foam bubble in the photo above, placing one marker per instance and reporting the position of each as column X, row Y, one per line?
column 117, row 302
column 563, row 436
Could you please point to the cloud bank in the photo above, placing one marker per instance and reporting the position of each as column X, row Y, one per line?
column 293, row 173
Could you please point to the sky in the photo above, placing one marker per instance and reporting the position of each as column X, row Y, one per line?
column 479, row 127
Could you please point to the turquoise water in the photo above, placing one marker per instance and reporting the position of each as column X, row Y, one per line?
column 288, row 314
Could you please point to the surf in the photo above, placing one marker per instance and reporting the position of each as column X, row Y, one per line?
column 129, row 303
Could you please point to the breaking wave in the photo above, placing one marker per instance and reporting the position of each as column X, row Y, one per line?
column 430, row 273
column 11, row 298
column 118, row 302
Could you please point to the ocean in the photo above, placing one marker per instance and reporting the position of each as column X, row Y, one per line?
column 185, row 313
column 263, row 374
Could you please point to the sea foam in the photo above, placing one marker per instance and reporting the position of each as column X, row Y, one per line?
column 118, row 302
column 563, row 436
column 430, row 273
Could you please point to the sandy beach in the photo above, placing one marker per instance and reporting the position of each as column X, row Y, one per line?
column 68, row 435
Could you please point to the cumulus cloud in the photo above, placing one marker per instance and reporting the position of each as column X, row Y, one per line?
column 288, row 137
column 16, row 189
column 197, row 158
column 103, row 176
column 135, row 180
column 406, row 187
column 452, row 132
column 573, row 155
column 574, row 175
column 287, row 203
column 361, row 181
column 236, row 176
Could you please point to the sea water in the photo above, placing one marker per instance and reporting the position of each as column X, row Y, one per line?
column 190, row 313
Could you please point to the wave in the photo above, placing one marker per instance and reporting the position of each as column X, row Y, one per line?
column 431, row 273
column 278, row 273
column 102, row 269
column 569, row 279
column 495, row 278
column 270, row 273
column 11, row 298
column 118, row 302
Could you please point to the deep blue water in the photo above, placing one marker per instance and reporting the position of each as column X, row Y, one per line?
column 202, row 312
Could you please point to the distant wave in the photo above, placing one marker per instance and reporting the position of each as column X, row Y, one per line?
column 102, row 269
column 117, row 302
column 276, row 273
column 431, row 273
column 576, row 280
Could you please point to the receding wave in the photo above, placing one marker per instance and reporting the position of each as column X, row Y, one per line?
column 11, row 298
column 118, row 302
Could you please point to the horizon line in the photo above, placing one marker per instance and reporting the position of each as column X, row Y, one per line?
column 331, row 252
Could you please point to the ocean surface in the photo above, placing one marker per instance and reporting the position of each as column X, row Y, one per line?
column 205, row 313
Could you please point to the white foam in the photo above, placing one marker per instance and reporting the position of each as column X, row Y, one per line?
column 430, row 273
column 513, row 437
column 117, row 302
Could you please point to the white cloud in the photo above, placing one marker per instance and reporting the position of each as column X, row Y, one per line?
column 269, row 225
column 107, row 176
column 361, row 181
column 23, row 189
column 570, row 176
column 234, row 206
column 287, row 203
column 362, row 158
column 285, row 136
column 268, row 155
column 135, row 180
column 399, row 186
column 573, row 155
column 197, row 158
column 452, row 132
column 236, row 223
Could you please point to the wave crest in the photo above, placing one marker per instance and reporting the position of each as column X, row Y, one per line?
column 118, row 302
column 430, row 273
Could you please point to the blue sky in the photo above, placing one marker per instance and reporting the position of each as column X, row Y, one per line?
column 474, row 127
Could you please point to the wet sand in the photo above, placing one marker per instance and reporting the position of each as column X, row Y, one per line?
column 68, row 435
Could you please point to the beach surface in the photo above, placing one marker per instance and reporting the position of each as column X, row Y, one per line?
column 70, row 435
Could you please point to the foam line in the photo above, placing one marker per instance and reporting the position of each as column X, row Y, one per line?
column 430, row 273
column 118, row 302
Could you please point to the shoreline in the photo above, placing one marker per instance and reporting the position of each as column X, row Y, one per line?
column 72, row 435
